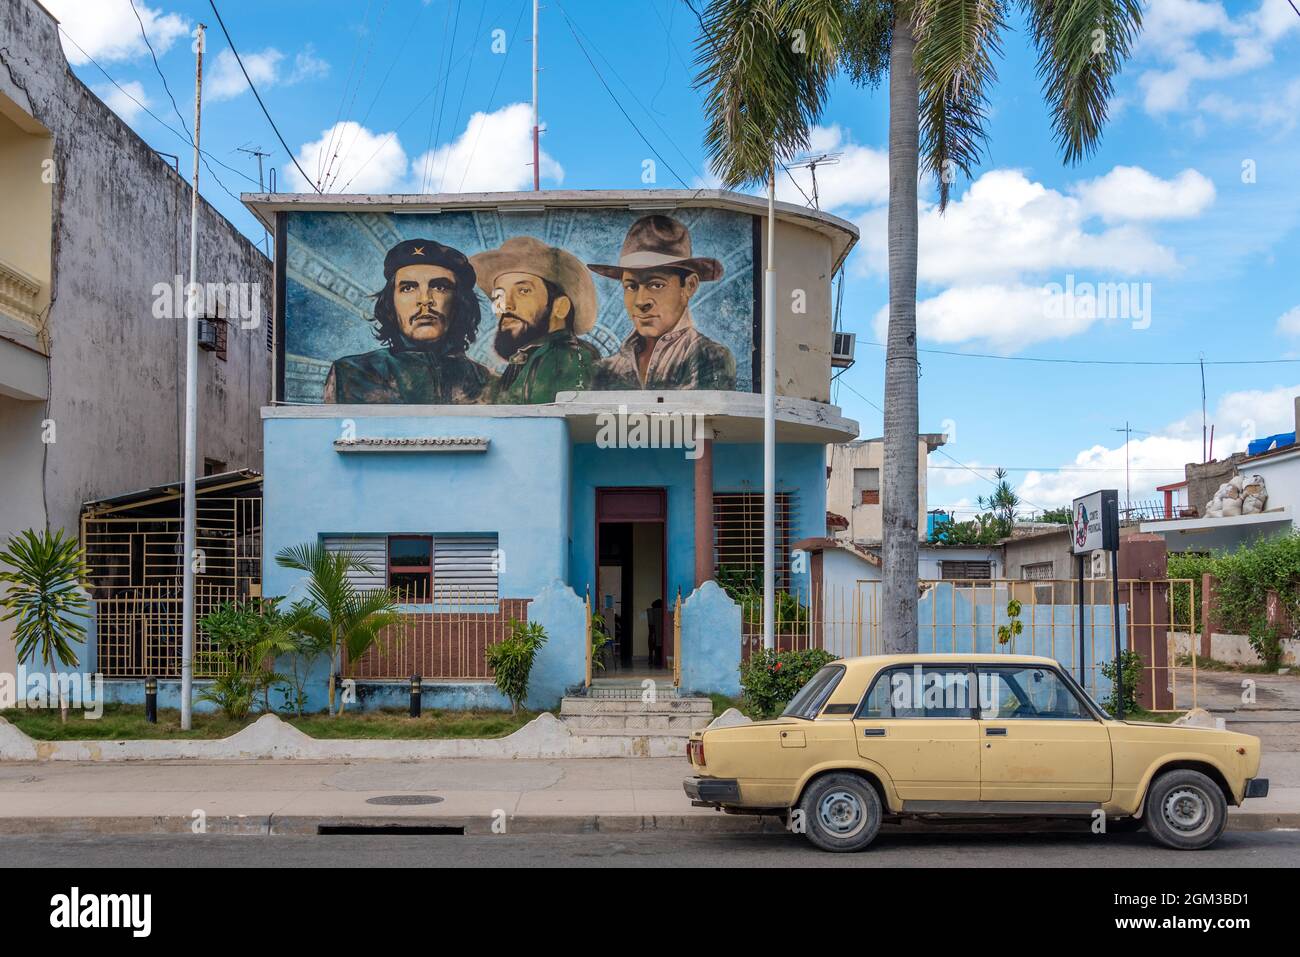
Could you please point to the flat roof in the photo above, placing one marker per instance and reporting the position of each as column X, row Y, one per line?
column 733, row 416
column 842, row 233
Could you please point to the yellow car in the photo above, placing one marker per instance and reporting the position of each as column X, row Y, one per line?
column 895, row 736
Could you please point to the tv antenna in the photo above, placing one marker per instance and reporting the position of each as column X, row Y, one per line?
column 811, row 164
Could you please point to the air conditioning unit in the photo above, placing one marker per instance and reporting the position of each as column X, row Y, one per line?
column 842, row 344
column 208, row 334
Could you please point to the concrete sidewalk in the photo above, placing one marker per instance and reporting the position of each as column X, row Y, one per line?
column 286, row 797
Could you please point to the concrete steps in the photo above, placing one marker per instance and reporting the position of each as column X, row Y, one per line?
column 670, row 716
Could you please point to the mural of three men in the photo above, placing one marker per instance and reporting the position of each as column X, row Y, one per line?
column 543, row 300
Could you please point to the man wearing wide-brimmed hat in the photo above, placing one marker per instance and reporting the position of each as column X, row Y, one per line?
column 659, row 276
column 543, row 299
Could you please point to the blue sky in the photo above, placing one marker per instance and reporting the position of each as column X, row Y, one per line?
column 1190, row 202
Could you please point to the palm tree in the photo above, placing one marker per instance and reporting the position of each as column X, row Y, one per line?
column 44, row 594
column 341, row 618
column 939, row 57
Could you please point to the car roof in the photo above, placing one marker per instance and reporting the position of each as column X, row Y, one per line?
column 873, row 663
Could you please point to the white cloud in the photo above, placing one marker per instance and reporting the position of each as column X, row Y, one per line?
column 1238, row 418
column 858, row 177
column 1174, row 32
column 493, row 152
column 1009, row 248
column 265, row 68
column 1131, row 193
column 1006, row 318
column 1288, row 324
column 226, row 81
column 363, row 161
column 128, row 102
column 1005, row 225
column 1274, row 113
column 109, row 31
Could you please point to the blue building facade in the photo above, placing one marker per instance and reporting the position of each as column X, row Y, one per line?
column 611, row 465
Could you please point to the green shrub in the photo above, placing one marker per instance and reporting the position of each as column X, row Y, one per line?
column 1187, row 607
column 1132, row 662
column 245, row 637
column 511, row 660
column 769, row 679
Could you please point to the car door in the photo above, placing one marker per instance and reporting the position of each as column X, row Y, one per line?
column 1039, row 741
column 918, row 723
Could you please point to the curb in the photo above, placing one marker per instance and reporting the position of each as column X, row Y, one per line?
column 479, row 825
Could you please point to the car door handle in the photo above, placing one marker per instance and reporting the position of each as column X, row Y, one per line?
column 998, row 731
column 873, row 732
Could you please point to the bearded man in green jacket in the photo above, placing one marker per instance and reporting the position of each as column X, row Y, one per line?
column 544, row 299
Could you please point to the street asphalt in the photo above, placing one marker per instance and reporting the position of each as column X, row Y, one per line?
column 681, row 849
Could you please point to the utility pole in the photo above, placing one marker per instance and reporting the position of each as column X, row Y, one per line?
column 811, row 164
column 191, row 406
column 1203, row 449
column 537, row 149
column 769, row 419
column 261, row 188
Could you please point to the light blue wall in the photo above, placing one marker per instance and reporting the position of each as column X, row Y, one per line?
column 800, row 468
column 518, row 489
column 710, row 642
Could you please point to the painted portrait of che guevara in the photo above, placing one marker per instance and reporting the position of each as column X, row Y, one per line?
column 425, row 317
column 659, row 275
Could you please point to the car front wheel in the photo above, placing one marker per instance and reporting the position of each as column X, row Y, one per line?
column 1185, row 810
column 841, row 812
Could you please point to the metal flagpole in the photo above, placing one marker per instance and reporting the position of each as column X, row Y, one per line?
column 537, row 168
column 769, row 419
column 191, row 407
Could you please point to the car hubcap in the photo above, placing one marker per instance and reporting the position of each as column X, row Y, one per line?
column 1187, row 810
column 841, row 813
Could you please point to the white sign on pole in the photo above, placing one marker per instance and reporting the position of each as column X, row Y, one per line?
column 1095, row 522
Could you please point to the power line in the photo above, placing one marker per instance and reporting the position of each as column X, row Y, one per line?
column 185, row 126
column 510, row 45
column 266, row 113
column 614, row 97
column 1064, row 468
column 1099, row 362
column 184, row 136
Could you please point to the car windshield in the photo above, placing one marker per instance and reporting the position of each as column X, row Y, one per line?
column 812, row 697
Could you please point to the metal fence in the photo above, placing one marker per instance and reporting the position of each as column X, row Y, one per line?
column 448, row 639
column 138, row 630
column 974, row 616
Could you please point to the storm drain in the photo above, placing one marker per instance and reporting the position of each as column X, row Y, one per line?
column 404, row 830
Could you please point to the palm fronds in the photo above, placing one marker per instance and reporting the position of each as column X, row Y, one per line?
column 44, row 595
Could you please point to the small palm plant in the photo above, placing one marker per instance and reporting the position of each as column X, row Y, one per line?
column 43, row 575
column 342, row 618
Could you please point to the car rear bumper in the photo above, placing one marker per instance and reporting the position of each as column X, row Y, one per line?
column 1256, row 788
column 712, row 791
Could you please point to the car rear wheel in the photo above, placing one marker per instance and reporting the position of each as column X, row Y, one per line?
column 841, row 812
column 1185, row 810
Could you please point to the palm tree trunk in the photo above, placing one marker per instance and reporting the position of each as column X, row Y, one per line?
column 899, row 493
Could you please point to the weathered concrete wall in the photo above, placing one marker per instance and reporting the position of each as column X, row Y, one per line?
column 121, row 226
column 1035, row 549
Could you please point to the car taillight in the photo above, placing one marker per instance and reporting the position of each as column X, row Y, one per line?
column 695, row 752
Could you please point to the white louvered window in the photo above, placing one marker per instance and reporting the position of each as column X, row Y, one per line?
column 371, row 549
column 465, row 569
